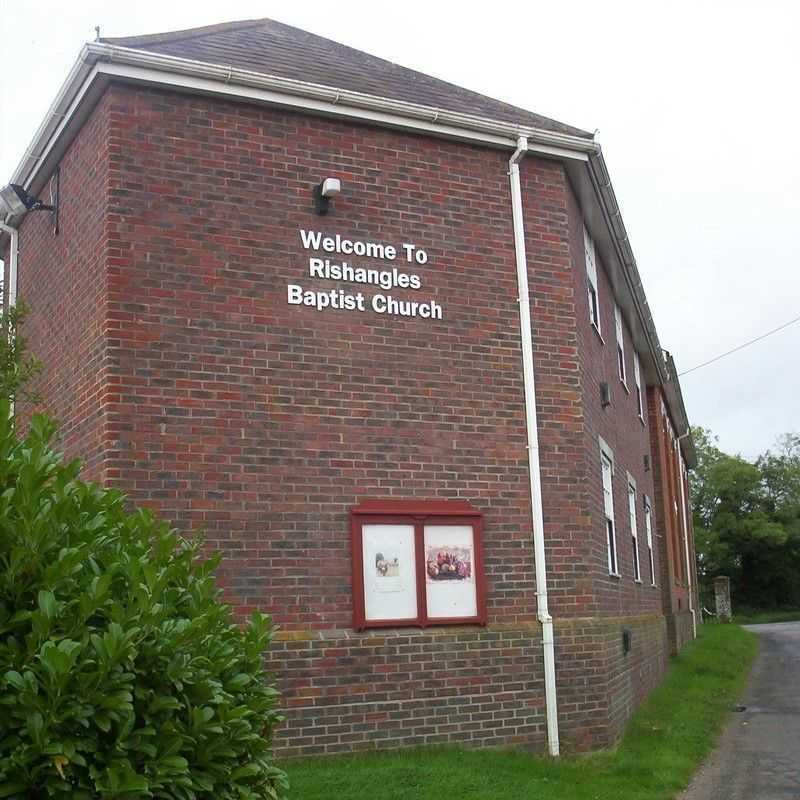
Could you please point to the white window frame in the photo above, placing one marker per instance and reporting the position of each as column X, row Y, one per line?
column 591, row 276
column 637, row 567
column 607, row 477
column 621, row 368
column 648, row 526
column 637, row 376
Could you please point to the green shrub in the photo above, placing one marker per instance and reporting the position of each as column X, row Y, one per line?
column 122, row 675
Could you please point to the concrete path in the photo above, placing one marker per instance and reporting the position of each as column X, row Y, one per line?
column 758, row 757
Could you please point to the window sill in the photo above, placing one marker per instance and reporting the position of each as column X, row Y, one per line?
column 624, row 386
column 616, row 575
column 641, row 419
column 638, row 580
column 597, row 331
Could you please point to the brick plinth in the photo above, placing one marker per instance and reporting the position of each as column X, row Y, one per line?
column 347, row 691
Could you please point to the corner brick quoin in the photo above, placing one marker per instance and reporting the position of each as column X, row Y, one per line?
column 180, row 374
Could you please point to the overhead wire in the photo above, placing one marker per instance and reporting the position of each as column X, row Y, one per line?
column 740, row 347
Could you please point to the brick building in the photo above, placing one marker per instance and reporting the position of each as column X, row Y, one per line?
column 432, row 430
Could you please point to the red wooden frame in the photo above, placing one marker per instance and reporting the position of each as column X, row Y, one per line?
column 410, row 512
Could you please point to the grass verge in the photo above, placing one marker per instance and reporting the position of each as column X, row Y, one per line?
column 665, row 741
column 758, row 616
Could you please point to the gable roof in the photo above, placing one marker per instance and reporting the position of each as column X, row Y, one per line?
column 272, row 48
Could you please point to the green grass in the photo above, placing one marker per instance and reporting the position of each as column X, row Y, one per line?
column 664, row 743
column 759, row 616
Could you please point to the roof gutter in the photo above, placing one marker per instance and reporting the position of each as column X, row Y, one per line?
column 241, row 77
column 503, row 134
column 677, row 409
column 601, row 180
column 56, row 115
column 665, row 367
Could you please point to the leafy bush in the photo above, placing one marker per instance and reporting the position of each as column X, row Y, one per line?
column 18, row 367
column 121, row 673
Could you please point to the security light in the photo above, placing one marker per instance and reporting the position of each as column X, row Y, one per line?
column 323, row 193
column 331, row 187
column 15, row 199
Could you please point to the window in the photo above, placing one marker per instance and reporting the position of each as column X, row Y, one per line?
column 417, row 564
column 620, row 345
column 608, row 507
column 637, row 376
column 673, row 489
column 648, row 526
column 591, row 275
column 637, row 573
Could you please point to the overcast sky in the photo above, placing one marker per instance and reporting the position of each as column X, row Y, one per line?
column 695, row 104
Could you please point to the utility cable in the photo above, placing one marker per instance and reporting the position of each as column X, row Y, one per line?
column 741, row 346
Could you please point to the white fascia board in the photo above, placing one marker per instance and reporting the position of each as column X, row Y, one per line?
column 266, row 90
column 240, row 78
column 98, row 60
column 609, row 208
column 57, row 116
column 55, row 144
column 338, row 109
column 208, row 86
column 98, row 63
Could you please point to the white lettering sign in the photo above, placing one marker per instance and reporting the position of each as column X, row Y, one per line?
column 386, row 279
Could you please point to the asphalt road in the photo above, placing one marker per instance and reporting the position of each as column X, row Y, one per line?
column 758, row 757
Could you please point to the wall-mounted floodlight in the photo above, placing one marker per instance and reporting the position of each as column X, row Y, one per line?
column 15, row 200
column 323, row 192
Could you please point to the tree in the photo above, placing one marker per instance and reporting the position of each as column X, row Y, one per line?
column 704, row 497
column 747, row 521
column 17, row 366
column 781, row 473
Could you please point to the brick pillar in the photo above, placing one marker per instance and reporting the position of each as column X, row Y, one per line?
column 722, row 595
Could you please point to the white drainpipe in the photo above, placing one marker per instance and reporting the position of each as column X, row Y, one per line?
column 682, row 472
column 534, row 471
column 12, row 267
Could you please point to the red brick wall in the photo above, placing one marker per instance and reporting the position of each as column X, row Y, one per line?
column 620, row 680
column 628, row 437
column 261, row 424
column 545, row 197
column 666, row 468
column 63, row 280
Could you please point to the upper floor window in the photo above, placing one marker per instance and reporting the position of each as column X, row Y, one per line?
column 620, row 346
column 637, row 376
column 608, row 508
column 637, row 574
column 648, row 527
column 591, row 276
